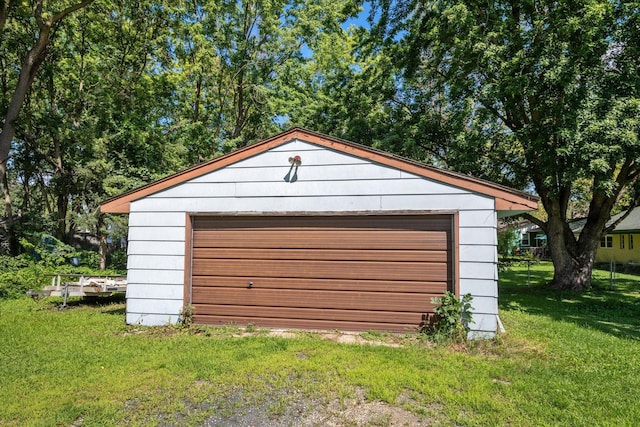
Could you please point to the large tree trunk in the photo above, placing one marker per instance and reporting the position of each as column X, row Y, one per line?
column 573, row 257
column 573, row 273
column 27, row 73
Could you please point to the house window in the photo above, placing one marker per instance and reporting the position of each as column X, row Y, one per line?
column 630, row 241
column 525, row 239
column 606, row 242
column 622, row 241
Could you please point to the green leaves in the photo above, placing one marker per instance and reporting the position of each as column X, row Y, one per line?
column 132, row 91
column 529, row 94
column 453, row 317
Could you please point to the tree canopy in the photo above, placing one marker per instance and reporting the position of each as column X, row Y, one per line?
column 101, row 96
column 546, row 94
column 121, row 93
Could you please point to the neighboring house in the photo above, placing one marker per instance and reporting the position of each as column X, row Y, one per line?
column 303, row 230
column 622, row 245
column 523, row 236
column 531, row 236
column 534, row 240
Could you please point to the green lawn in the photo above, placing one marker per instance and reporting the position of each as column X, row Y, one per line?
column 566, row 360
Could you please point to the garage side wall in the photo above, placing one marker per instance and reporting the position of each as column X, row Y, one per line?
column 327, row 181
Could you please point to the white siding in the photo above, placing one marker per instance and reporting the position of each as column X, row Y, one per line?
column 319, row 157
column 151, row 262
column 260, row 204
column 142, row 291
column 361, row 171
column 436, row 201
column 151, row 319
column 327, row 181
column 475, row 270
column 479, row 287
column 157, row 248
column 484, row 323
column 155, row 234
column 478, row 235
column 478, row 253
column 473, row 217
column 154, row 306
column 160, row 219
column 154, row 277
column 478, row 257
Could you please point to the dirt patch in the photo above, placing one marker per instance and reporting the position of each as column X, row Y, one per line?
column 348, row 338
column 388, row 340
column 284, row 409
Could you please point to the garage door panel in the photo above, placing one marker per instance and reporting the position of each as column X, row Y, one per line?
column 321, row 284
column 306, row 324
column 309, row 314
column 329, row 223
column 320, row 239
column 389, row 301
column 321, row 254
column 323, row 269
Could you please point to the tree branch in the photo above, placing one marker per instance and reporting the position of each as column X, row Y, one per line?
column 31, row 142
column 6, row 7
column 37, row 13
column 60, row 15
column 497, row 113
column 536, row 221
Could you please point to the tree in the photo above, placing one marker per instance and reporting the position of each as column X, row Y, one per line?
column 128, row 92
column 547, row 91
column 230, row 61
column 91, row 124
column 339, row 89
column 47, row 22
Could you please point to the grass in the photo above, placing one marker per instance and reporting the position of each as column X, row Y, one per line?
column 567, row 359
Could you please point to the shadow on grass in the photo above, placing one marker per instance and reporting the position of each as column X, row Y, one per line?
column 113, row 304
column 116, row 310
column 616, row 312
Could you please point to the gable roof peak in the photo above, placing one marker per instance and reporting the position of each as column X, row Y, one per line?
column 507, row 199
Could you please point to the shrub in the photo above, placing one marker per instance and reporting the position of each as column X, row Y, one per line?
column 118, row 260
column 452, row 317
column 18, row 275
column 51, row 251
column 507, row 242
column 89, row 259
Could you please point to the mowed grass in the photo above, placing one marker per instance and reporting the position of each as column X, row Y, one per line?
column 566, row 359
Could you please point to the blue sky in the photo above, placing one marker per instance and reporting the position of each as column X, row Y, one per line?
column 361, row 19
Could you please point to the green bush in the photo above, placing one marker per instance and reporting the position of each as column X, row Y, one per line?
column 49, row 250
column 118, row 260
column 507, row 242
column 452, row 318
column 19, row 274
column 89, row 259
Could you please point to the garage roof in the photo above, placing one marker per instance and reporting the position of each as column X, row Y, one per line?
column 507, row 199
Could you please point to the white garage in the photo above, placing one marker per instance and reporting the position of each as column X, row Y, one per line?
column 303, row 230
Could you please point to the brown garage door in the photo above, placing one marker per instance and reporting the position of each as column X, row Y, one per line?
column 350, row 273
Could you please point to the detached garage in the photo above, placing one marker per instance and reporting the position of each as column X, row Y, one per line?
column 303, row 230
